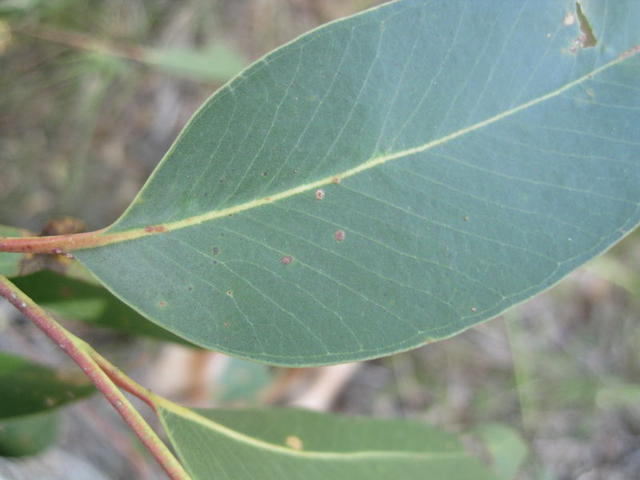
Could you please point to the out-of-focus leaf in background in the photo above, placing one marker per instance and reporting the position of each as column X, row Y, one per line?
column 29, row 396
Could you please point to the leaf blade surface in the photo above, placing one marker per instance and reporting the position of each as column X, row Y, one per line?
column 296, row 444
column 388, row 180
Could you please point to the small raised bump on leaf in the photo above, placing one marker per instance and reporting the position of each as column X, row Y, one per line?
column 569, row 19
column 319, row 194
column 286, row 260
column 339, row 235
column 215, row 250
column 162, row 303
column 294, row 442
column 229, row 293
column 465, row 218
column 474, row 309
column 335, row 180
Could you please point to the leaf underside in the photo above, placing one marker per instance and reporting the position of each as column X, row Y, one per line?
column 296, row 444
column 389, row 180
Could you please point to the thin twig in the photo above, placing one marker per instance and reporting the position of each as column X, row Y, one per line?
column 84, row 355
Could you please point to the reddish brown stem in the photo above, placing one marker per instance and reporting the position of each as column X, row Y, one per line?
column 81, row 353
column 54, row 244
column 124, row 382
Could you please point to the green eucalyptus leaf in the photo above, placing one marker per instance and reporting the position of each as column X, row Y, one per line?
column 296, row 444
column 389, row 180
column 27, row 388
column 28, row 435
column 80, row 299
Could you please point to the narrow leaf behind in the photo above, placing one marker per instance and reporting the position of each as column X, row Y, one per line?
column 29, row 388
column 296, row 444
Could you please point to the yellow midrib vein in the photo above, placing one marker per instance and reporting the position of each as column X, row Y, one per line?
column 202, row 421
column 374, row 162
column 104, row 237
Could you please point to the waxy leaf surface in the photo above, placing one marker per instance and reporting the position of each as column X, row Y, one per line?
column 296, row 444
column 389, row 180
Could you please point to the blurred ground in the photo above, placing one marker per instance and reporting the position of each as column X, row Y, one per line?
column 93, row 93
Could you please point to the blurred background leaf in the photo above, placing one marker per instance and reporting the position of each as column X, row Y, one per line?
column 81, row 300
column 27, row 435
column 506, row 448
column 31, row 394
column 29, row 388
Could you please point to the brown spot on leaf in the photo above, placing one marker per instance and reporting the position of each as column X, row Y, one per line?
column 155, row 228
column 215, row 250
column 319, row 194
column 286, row 260
column 335, row 180
column 229, row 293
column 339, row 235
column 162, row 303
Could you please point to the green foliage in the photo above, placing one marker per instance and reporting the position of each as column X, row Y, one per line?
column 295, row 444
column 386, row 181
column 382, row 182
column 27, row 435
column 30, row 396
column 506, row 448
column 28, row 388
